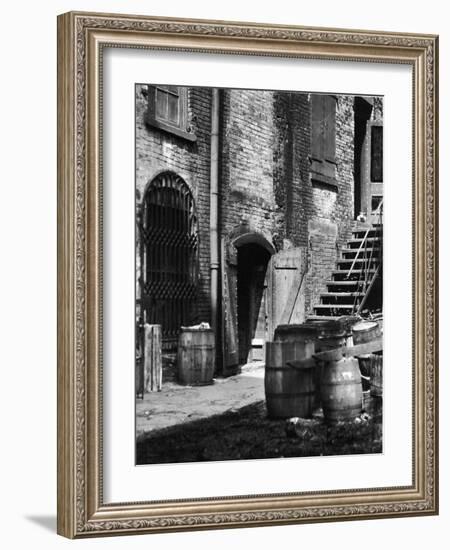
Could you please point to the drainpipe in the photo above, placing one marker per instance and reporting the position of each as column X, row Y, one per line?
column 214, row 209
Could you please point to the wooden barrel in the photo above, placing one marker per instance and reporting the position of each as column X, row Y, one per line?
column 347, row 323
column 331, row 335
column 376, row 376
column 365, row 331
column 366, row 401
column 341, row 390
column 365, row 367
column 139, row 376
column 296, row 333
column 196, row 357
column 306, row 333
column 289, row 391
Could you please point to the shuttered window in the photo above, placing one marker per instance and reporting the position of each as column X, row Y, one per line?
column 376, row 154
column 323, row 139
column 170, row 254
column 168, row 110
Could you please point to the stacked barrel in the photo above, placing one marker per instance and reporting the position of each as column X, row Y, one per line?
column 370, row 364
column 299, row 379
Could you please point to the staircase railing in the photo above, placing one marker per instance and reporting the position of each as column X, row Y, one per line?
column 367, row 291
column 355, row 259
column 365, row 277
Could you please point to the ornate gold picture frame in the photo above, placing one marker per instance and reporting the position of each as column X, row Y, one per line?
column 82, row 40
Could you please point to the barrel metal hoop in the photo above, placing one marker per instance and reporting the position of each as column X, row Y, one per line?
column 341, row 383
column 290, row 395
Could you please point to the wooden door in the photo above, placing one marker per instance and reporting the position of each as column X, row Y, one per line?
column 286, row 299
column 230, row 343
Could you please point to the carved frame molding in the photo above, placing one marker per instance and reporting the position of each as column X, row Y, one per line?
column 81, row 37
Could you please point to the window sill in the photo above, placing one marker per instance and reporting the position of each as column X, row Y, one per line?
column 154, row 123
column 323, row 182
column 323, row 174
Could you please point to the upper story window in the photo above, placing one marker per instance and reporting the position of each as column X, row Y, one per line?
column 168, row 110
column 323, row 139
column 376, row 154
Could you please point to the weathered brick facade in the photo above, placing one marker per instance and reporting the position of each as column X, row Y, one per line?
column 265, row 183
column 158, row 151
column 247, row 165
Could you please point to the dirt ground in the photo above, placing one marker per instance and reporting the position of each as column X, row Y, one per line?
column 228, row 421
column 176, row 404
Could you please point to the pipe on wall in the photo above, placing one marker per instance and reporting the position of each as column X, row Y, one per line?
column 214, row 208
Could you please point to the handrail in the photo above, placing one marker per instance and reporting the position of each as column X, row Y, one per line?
column 366, row 295
column 367, row 286
column 357, row 253
column 363, row 242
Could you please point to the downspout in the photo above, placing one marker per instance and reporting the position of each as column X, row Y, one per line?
column 214, row 210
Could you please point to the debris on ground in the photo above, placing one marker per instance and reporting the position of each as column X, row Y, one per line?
column 248, row 433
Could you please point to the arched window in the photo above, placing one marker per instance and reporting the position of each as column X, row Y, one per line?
column 170, row 254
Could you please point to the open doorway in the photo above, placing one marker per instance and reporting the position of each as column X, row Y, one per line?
column 252, row 265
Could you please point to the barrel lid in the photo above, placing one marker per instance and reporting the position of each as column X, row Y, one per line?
column 364, row 325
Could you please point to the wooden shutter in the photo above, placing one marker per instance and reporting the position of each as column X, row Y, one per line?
column 323, row 138
column 168, row 110
column 316, row 127
column 229, row 310
column 329, row 128
column 287, row 301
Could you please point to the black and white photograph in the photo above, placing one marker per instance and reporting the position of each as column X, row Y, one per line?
column 259, row 274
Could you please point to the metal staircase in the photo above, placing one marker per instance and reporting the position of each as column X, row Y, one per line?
column 356, row 284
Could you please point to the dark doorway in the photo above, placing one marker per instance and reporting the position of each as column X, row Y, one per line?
column 251, row 274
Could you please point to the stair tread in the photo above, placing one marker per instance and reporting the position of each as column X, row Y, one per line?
column 359, row 240
column 362, row 232
column 343, row 283
column 368, row 249
column 344, row 271
column 350, row 260
column 334, row 306
column 343, row 294
column 355, row 276
column 322, row 317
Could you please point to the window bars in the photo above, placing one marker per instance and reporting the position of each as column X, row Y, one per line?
column 169, row 244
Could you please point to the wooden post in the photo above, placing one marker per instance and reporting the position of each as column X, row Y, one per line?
column 152, row 358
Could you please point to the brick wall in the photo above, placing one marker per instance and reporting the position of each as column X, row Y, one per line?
column 265, row 180
column 157, row 150
column 311, row 214
column 246, row 190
